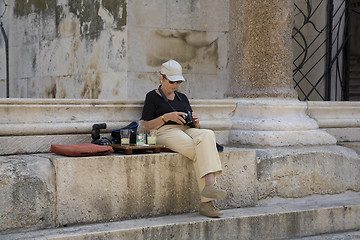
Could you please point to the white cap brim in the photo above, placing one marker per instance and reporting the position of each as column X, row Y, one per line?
column 175, row 78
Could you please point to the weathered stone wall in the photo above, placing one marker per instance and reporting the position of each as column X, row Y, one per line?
column 113, row 49
column 67, row 49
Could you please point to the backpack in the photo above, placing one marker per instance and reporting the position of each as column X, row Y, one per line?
column 132, row 127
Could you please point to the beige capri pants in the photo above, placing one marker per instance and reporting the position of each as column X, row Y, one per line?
column 199, row 145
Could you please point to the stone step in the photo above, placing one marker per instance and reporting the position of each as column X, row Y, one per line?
column 46, row 190
column 355, row 81
column 354, row 88
column 354, row 98
column 271, row 219
column 355, row 72
column 333, row 236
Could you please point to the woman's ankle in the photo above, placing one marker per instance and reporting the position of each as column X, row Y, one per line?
column 209, row 179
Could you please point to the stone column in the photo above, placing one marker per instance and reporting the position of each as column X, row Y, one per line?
column 260, row 56
column 260, row 62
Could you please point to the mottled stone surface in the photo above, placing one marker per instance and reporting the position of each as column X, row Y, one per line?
column 32, row 125
column 275, row 122
column 278, row 219
column 113, row 49
column 114, row 187
column 27, row 193
column 98, row 189
column 260, row 49
column 40, row 143
column 298, row 172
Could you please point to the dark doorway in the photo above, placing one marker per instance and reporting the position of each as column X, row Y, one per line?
column 354, row 81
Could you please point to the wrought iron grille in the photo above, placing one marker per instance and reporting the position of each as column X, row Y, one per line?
column 321, row 49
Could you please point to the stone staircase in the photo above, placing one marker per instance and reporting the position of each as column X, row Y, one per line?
column 274, row 193
column 270, row 219
column 354, row 82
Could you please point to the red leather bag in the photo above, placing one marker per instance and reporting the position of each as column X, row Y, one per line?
column 81, row 149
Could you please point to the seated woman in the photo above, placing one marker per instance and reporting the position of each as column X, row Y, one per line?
column 166, row 110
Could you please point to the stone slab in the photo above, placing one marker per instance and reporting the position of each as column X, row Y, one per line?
column 97, row 189
column 275, row 122
column 335, row 114
column 37, row 144
column 352, row 145
column 334, row 236
column 32, row 125
column 340, row 119
column 117, row 187
column 298, row 172
column 279, row 219
column 347, row 134
column 27, row 192
column 281, row 138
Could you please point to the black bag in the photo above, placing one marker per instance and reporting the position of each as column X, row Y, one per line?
column 132, row 127
column 219, row 147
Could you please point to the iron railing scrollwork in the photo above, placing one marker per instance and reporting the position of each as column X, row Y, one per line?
column 321, row 49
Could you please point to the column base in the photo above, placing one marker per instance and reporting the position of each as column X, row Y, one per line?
column 275, row 122
column 281, row 138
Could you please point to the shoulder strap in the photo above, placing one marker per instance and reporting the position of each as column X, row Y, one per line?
column 163, row 94
column 178, row 96
column 167, row 100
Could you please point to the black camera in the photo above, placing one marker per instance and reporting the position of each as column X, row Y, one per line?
column 188, row 119
column 95, row 135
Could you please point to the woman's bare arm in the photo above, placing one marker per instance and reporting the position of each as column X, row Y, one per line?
column 159, row 121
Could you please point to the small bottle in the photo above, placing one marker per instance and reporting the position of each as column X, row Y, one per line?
column 141, row 134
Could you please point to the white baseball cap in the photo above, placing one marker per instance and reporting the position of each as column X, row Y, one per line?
column 173, row 71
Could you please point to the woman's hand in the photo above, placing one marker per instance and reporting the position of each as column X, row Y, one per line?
column 175, row 117
column 196, row 120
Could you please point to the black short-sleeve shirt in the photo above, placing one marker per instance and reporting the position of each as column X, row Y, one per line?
column 156, row 106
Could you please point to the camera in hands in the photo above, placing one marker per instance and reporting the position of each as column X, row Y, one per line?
column 188, row 119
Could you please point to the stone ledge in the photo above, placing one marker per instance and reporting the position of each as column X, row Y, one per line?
column 112, row 187
column 27, row 192
column 10, row 145
column 41, row 143
column 335, row 114
column 275, row 122
column 345, row 134
column 31, row 125
column 280, row 219
column 19, row 117
column 340, row 119
column 116, row 187
column 298, row 172
column 53, row 190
